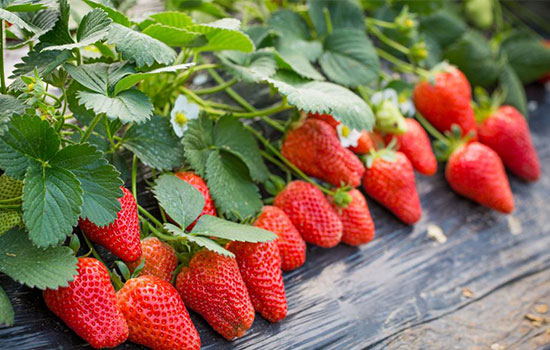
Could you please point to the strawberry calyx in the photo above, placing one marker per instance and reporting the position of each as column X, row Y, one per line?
column 387, row 153
column 442, row 67
column 443, row 148
column 486, row 105
column 274, row 185
column 341, row 197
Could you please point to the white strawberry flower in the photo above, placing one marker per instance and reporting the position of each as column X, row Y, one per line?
column 348, row 137
column 182, row 113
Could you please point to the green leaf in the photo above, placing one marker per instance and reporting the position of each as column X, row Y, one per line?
column 212, row 226
column 231, row 136
column 172, row 36
column 9, row 188
column 27, row 138
column 138, row 47
column 9, row 218
column 324, row 97
column 93, row 27
column 44, row 62
column 6, row 309
column 25, row 6
column 250, row 67
column 10, row 106
column 473, row 56
column 223, row 35
column 132, row 79
column 173, row 19
column 298, row 55
column 289, row 24
column 343, row 14
column 512, row 87
column 128, row 106
column 350, row 58
column 99, row 77
column 41, row 268
column 200, row 241
column 155, row 144
column 16, row 20
column 99, row 180
column 234, row 193
column 443, row 26
column 529, row 58
column 59, row 34
column 52, row 202
column 115, row 15
column 196, row 143
column 181, row 201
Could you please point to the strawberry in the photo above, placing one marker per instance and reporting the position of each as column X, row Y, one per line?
column 506, row 132
column 197, row 182
column 292, row 246
column 160, row 259
column 260, row 267
column 88, row 305
column 415, row 144
column 122, row 236
column 315, row 148
column 476, row 172
column 389, row 179
column 366, row 141
column 356, row 220
column 446, row 100
column 311, row 213
column 156, row 315
column 212, row 286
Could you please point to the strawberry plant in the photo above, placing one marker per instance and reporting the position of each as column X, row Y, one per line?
column 106, row 113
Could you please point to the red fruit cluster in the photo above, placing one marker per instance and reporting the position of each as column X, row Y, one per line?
column 160, row 259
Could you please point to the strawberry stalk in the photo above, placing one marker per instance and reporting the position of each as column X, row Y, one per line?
column 232, row 93
column 223, row 86
column 134, row 176
column 286, row 162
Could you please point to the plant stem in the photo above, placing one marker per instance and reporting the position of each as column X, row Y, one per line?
column 388, row 41
column 328, row 20
column 430, row 128
column 264, row 112
column 379, row 22
column 277, row 126
column 92, row 248
column 286, row 162
column 10, row 206
column 232, row 93
column 10, row 200
column 134, row 176
column 149, row 216
column 91, row 127
column 2, row 44
column 404, row 66
column 214, row 89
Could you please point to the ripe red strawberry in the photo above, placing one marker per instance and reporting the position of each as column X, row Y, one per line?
column 160, row 259
column 88, row 306
column 122, row 236
column 197, row 182
column 446, row 101
column 356, row 219
column 415, row 144
column 390, row 181
column 292, row 247
column 315, row 148
column 476, row 172
column 311, row 213
column 366, row 141
column 212, row 286
column 156, row 315
column 260, row 267
column 506, row 132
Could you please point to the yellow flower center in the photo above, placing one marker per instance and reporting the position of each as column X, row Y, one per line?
column 181, row 119
column 345, row 131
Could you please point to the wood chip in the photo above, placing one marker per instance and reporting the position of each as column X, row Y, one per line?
column 514, row 225
column 467, row 293
column 436, row 233
column 497, row 346
column 537, row 321
column 541, row 308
